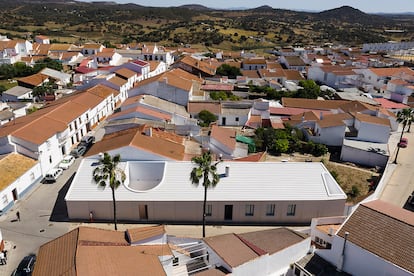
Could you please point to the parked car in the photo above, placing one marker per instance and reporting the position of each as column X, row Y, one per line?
column 26, row 266
column 66, row 162
column 78, row 151
column 53, row 175
column 403, row 143
column 87, row 140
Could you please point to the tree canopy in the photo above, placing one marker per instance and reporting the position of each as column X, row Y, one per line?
column 228, row 70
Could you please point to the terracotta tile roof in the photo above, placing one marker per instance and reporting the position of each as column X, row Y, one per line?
column 385, row 103
column 385, row 72
column 231, row 249
column 273, row 65
column 34, row 80
column 273, row 240
column 91, row 251
column 333, row 120
column 254, row 61
column 257, row 157
column 293, row 111
column 203, row 66
column 104, row 54
column 253, row 74
column 62, row 251
column 154, row 64
column 125, row 72
column 238, row 249
column 226, row 136
column 357, row 106
column 197, row 107
column 372, row 119
column 179, row 78
column 312, row 104
column 134, row 138
column 102, row 91
column 86, row 97
column 266, row 73
column 139, row 234
column 384, row 230
column 12, row 167
column 143, row 110
column 98, row 260
column 255, row 121
column 293, row 75
column 68, row 55
column 311, row 115
column 40, row 130
column 118, row 81
column 69, row 111
column 294, row 61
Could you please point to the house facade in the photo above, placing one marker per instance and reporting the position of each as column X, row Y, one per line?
column 166, row 194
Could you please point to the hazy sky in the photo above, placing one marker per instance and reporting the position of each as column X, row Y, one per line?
column 388, row 6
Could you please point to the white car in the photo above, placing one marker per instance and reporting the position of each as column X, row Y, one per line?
column 66, row 162
column 53, row 174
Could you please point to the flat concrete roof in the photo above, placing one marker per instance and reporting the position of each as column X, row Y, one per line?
column 247, row 181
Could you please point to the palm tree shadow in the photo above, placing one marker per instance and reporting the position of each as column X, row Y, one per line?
column 60, row 211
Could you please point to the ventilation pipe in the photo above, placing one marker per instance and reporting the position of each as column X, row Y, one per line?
column 341, row 261
column 227, row 173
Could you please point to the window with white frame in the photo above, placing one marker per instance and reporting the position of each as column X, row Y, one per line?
column 209, row 210
column 291, row 210
column 249, row 210
column 270, row 209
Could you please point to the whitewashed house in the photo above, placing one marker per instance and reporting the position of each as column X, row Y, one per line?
column 248, row 192
column 266, row 252
column 18, row 174
column 17, row 93
column 223, row 141
column 376, row 233
column 176, row 86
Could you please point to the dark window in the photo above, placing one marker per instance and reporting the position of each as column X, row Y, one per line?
column 249, row 210
column 270, row 210
column 209, row 209
column 291, row 210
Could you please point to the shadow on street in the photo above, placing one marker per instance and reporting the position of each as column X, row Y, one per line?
column 60, row 212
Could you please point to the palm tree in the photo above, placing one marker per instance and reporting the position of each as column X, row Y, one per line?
column 108, row 174
column 208, row 172
column 405, row 117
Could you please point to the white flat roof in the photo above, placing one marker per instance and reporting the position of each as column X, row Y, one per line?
column 247, row 181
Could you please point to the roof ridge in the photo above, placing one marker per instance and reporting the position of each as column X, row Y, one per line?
column 388, row 215
column 259, row 251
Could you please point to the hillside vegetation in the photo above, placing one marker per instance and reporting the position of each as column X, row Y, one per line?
column 262, row 27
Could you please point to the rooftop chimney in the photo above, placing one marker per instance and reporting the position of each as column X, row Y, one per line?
column 227, row 173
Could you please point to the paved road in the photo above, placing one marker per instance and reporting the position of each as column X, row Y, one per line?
column 44, row 217
column 401, row 183
column 41, row 216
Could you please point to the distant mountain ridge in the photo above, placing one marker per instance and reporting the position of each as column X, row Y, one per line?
column 192, row 24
